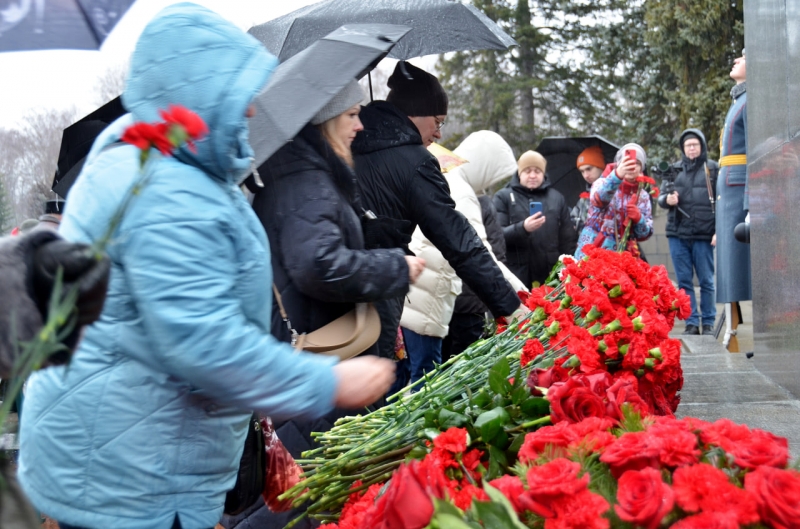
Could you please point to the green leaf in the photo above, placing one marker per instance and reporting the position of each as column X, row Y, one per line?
column 449, row 419
column 536, row 407
column 491, row 422
column 499, row 513
column 516, row 444
column 481, row 399
column 498, row 377
column 498, row 463
column 519, row 395
column 431, row 433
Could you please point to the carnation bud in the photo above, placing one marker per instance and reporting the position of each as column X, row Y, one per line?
column 602, row 346
column 638, row 324
column 650, row 363
column 538, row 315
column 630, row 310
column 615, row 325
column 573, row 361
column 655, row 352
column 593, row 314
column 615, row 292
column 566, row 302
column 553, row 329
column 639, row 372
column 595, row 329
column 623, row 349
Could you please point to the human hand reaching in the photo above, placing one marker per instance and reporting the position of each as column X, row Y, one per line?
column 362, row 380
column 415, row 267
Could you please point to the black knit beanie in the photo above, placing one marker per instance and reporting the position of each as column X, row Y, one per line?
column 421, row 95
column 690, row 135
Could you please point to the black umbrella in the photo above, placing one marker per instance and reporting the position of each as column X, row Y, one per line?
column 438, row 26
column 76, row 142
column 67, row 24
column 301, row 86
column 562, row 154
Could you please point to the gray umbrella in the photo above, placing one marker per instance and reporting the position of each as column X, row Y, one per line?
column 439, row 26
column 69, row 24
column 301, row 86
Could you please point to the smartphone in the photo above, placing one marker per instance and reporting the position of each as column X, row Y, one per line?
column 536, row 207
column 630, row 154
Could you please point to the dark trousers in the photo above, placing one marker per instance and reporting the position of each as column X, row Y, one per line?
column 691, row 257
column 465, row 329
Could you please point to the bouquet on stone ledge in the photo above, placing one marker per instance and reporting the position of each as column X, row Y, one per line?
column 644, row 471
column 596, row 342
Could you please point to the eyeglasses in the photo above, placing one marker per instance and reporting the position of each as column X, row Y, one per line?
column 439, row 124
column 688, row 145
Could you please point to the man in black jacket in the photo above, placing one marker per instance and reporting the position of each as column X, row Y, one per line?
column 400, row 180
column 691, row 227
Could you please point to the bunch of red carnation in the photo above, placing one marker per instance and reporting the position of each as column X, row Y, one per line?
column 449, row 471
column 684, row 474
column 612, row 313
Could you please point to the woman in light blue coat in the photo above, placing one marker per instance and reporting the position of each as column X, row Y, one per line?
column 144, row 429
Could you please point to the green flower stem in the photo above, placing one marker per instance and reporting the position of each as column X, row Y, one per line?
column 530, row 424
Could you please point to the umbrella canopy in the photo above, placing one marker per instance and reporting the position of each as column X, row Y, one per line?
column 304, row 84
column 439, row 26
column 76, row 142
column 562, row 154
column 67, row 24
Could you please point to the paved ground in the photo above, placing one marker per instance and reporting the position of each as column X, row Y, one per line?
column 720, row 384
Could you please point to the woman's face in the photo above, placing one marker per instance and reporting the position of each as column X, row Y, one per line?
column 531, row 177
column 347, row 125
column 631, row 177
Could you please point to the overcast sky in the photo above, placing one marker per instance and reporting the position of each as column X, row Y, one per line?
column 62, row 78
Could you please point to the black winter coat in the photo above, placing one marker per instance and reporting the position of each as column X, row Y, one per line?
column 467, row 302
column 690, row 183
column 531, row 256
column 400, row 179
column 308, row 208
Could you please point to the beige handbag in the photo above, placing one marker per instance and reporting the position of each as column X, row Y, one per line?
column 347, row 336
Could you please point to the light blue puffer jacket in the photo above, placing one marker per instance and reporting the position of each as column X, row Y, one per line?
column 149, row 419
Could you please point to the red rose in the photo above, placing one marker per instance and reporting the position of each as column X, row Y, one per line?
column 643, row 498
column 544, row 378
column 531, row 350
column 760, row 449
column 777, row 493
column 705, row 488
column 708, row 520
column 621, row 392
column 557, row 436
column 550, row 483
column 407, row 503
column 512, row 488
column 453, row 440
column 631, row 451
column 572, row 401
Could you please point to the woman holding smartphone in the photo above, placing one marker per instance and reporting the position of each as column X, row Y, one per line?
column 616, row 201
column 535, row 220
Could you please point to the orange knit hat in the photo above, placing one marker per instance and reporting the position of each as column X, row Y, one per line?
column 591, row 156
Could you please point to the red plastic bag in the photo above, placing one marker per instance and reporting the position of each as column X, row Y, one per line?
column 283, row 472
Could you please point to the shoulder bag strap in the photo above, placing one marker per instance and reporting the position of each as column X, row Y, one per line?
column 709, row 188
column 284, row 316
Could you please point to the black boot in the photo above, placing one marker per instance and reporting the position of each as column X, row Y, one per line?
column 692, row 329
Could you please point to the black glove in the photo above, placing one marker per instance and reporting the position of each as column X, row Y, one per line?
column 386, row 232
column 81, row 267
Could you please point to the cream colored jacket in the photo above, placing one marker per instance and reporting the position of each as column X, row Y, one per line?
column 430, row 301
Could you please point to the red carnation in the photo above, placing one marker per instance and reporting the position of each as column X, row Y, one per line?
column 146, row 135
column 706, row 488
column 643, row 498
column 531, row 350
column 708, row 520
column 453, row 440
column 631, row 451
column 584, row 510
column 193, row 124
column 777, row 493
column 760, row 449
column 557, row 436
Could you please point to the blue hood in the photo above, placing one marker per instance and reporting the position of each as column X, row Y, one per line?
column 171, row 67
